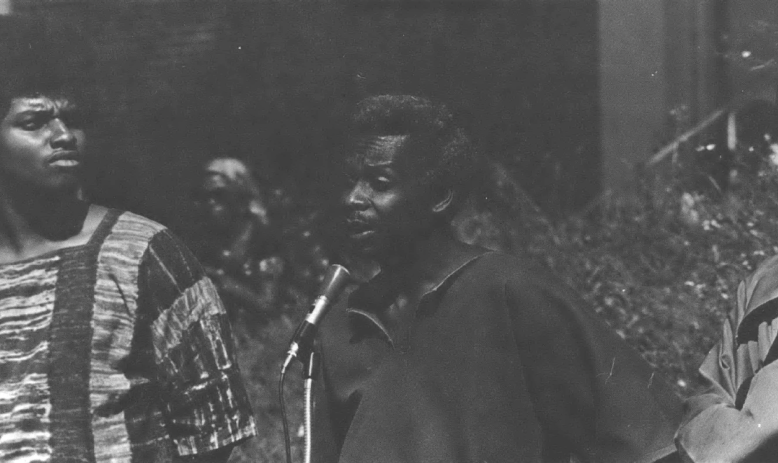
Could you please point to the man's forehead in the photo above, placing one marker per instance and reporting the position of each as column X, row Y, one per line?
column 376, row 150
column 40, row 103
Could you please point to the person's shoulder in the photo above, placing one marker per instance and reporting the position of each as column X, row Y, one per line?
column 767, row 269
column 122, row 234
column 761, row 286
column 758, row 301
column 514, row 268
column 525, row 282
column 134, row 237
column 135, row 226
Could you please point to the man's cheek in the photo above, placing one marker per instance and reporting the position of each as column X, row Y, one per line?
column 81, row 140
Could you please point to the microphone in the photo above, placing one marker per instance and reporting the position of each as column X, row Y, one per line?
column 335, row 281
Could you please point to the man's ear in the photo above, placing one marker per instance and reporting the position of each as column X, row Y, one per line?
column 445, row 202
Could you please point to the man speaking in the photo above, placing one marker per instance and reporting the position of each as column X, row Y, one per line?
column 455, row 353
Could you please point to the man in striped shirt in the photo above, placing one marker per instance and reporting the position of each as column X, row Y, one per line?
column 114, row 345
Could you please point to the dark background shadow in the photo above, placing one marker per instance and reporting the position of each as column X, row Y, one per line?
column 179, row 82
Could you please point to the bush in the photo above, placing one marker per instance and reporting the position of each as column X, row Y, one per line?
column 663, row 270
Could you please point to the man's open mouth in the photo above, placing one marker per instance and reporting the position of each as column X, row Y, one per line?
column 358, row 229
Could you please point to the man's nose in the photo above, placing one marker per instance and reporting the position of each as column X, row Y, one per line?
column 356, row 197
column 62, row 136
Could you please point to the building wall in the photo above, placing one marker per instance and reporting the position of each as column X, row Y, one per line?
column 266, row 80
column 661, row 73
column 573, row 94
column 633, row 86
column 523, row 76
column 753, row 26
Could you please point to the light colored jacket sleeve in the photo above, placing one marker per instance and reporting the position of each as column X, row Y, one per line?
column 736, row 418
column 722, row 433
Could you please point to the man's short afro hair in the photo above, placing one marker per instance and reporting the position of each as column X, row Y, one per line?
column 42, row 57
column 448, row 160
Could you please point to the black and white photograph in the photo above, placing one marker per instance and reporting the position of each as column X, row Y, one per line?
column 388, row 231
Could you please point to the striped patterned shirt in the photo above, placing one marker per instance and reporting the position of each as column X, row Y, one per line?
column 116, row 351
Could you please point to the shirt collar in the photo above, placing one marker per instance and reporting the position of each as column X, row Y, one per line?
column 377, row 294
column 761, row 300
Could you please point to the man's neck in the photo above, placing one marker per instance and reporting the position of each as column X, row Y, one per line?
column 427, row 262
column 37, row 222
column 420, row 270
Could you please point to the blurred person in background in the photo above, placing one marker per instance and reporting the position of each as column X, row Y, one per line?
column 455, row 353
column 240, row 247
column 114, row 345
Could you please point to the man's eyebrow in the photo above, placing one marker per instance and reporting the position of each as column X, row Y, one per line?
column 364, row 159
column 34, row 102
column 381, row 165
column 35, row 112
column 36, row 109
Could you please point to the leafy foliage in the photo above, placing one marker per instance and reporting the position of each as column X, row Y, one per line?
column 663, row 271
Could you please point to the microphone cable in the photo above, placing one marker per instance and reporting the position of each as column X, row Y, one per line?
column 284, row 419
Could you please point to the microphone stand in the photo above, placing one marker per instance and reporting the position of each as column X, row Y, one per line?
column 310, row 373
column 310, row 370
column 301, row 348
column 309, row 359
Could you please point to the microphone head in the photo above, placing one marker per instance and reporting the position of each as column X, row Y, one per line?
column 335, row 281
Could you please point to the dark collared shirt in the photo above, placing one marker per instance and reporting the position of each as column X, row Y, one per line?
column 500, row 363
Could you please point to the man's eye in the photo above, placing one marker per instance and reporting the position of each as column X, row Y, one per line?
column 381, row 183
column 31, row 124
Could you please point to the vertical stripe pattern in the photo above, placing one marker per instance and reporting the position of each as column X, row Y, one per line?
column 70, row 352
column 116, row 351
column 113, row 384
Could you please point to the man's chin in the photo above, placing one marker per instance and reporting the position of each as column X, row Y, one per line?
column 382, row 255
column 66, row 181
column 58, row 187
column 365, row 247
column 363, row 250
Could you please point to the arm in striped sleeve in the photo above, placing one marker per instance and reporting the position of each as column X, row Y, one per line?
column 206, row 405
